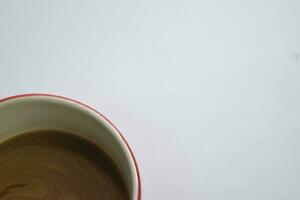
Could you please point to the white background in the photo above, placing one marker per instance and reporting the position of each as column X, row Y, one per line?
column 206, row 92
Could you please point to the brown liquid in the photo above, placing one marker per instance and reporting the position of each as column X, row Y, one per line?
column 55, row 165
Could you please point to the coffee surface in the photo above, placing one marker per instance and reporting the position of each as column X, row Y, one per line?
column 55, row 165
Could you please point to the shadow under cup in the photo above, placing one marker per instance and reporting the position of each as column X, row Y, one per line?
column 27, row 113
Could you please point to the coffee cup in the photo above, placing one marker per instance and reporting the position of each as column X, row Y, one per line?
column 30, row 112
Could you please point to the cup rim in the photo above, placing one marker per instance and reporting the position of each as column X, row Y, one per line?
column 100, row 115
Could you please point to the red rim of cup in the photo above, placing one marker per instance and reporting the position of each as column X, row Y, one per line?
column 98, row 113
